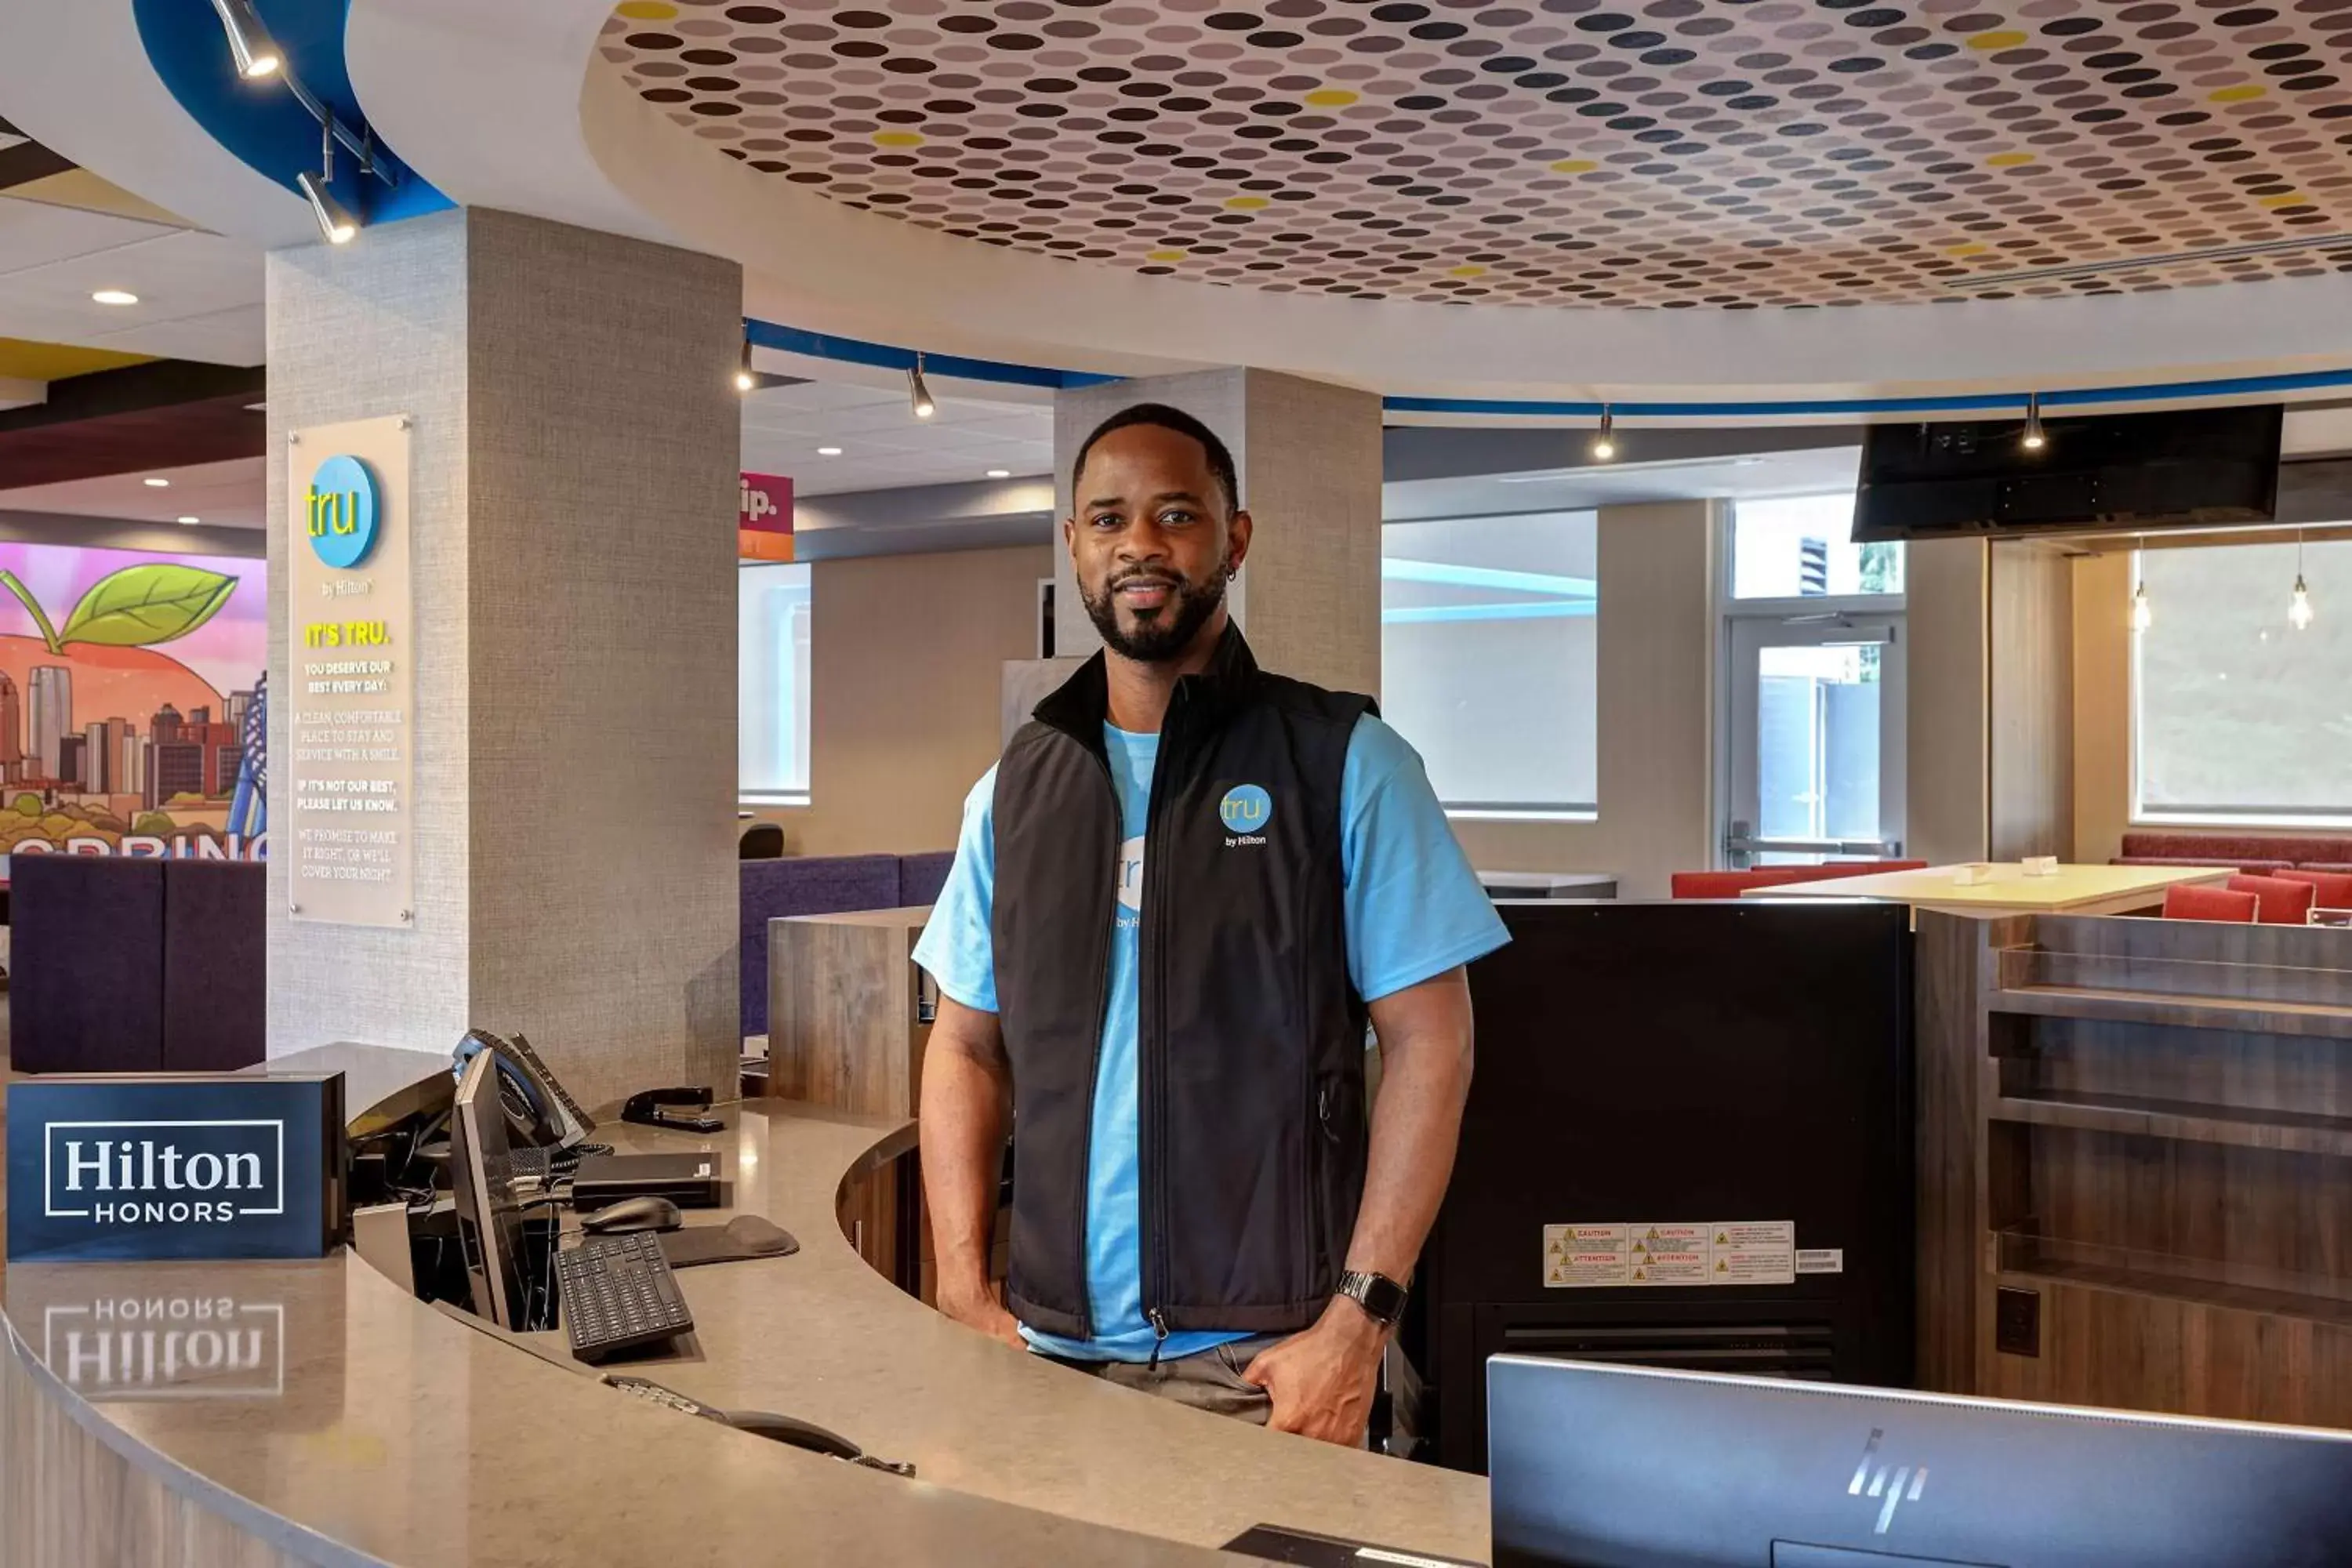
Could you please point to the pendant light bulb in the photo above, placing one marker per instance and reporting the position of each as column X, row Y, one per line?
column 2143, row 614
column 1604, row 440
column 2035, row 437
column 249, row 45
column 745, row 378
column 919, row 394
column 2298, row 608
column 336, row 223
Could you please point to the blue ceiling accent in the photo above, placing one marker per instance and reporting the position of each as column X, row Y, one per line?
column 854, row 350
column 851, row 350
column 1404, row 569
column 1522, row 610
column 260, row 122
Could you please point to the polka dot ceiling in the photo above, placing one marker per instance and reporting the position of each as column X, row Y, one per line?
column 1674, row 154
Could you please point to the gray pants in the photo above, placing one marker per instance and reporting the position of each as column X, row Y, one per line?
column 1210, row 1380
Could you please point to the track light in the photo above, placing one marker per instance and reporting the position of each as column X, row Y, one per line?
column 1604, row 440
column 2035, row 437
column 745, row 378
column 249, row 43
column 2298, row 607
column 335, row 221
column 918, row 392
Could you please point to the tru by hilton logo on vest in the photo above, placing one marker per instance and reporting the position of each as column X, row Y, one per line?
column 1244, row 811
column 157, row 1172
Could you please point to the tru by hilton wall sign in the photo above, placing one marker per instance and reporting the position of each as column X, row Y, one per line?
column 354, row 641
column 341, row 507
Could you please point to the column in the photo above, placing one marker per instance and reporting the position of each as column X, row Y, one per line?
column 574, row 442
column 1309, row 455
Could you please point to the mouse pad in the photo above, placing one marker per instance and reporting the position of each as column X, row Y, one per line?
column 745, row 1235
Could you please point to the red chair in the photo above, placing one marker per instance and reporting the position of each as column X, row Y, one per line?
column 1730, row 884
column 2284, row 903
column 2334, row 888
column 2197, row 902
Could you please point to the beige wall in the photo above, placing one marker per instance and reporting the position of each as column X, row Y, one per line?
column 2103, row 586
column 1657, row 656
column 905, row 658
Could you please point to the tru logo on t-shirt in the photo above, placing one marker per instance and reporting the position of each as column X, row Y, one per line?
column 1130, row 883
column 1245, row 811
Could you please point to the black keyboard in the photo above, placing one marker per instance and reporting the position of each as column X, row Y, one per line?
column 618, row 1293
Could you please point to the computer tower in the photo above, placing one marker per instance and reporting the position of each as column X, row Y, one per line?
column 1687, row 1143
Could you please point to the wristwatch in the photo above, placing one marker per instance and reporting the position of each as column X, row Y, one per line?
column 1381, row 1297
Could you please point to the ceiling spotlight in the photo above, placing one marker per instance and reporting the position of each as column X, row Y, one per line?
column 335, row 221
column 156, row 482
column 999, row 473
column 1604, row 440
column 919, row 394
column 745, row 378
column 248, row 42
column 192, row 519
column 115, row 297
column 828, row 451
column 2035, row 437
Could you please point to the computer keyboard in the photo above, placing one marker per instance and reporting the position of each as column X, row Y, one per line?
column 618, row 1293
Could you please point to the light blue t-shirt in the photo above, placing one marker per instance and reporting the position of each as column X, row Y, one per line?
column 1415, row 910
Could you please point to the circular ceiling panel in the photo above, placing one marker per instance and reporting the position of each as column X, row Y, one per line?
column 1669, row 153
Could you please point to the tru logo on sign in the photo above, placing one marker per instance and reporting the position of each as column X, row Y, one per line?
column 339, row 512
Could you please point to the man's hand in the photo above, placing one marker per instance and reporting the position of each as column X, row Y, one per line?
column 1321, row 1381
column 978, row 1308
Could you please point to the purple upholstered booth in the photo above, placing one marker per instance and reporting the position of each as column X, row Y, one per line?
column 216, row 967
column 920, row 877
column 86, row 963
column 822, row 886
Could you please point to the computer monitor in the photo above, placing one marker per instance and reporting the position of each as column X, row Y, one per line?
column 1617, row 1466
column 539, row 1108
column 481, row 1178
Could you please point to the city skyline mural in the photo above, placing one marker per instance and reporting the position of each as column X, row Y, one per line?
column 132, row 703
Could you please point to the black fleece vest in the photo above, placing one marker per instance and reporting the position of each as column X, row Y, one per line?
column 1251, row 1037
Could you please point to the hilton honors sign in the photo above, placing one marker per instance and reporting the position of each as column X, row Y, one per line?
column 175, row 1165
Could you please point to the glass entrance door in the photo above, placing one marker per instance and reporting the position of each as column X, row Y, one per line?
column 1817, row 739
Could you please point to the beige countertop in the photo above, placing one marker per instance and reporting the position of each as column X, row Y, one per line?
column 322, row 1408
column 2073, row 890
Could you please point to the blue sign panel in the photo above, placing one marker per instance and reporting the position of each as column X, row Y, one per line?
column 175, row 1165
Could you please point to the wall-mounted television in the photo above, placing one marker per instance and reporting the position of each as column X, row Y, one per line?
column 2194, row 468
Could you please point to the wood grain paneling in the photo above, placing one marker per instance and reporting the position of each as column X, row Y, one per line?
column 2162, row 1150
column 843, row 1029
column 68, row 1501
column 2031, row 704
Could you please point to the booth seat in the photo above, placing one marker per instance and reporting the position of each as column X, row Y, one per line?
column 822, row 885
column 2250, row 852
column 123, row 964
column 1731, row 884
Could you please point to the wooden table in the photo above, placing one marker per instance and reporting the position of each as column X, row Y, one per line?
column 2076, row 889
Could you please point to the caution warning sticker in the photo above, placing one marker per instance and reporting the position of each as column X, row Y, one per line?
column 1679, row 1253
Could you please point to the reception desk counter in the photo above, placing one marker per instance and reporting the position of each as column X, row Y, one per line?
column 316, row 1412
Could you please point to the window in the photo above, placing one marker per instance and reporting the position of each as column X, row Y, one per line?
column 2239, row 717
column 1490, row 660
column 772, row 686
column 1799, row 547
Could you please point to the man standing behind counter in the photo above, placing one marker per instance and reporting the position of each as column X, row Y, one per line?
column 1174, row 899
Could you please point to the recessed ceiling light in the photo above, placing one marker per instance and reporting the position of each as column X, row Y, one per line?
column 115, row 297
column 192, row 519
column 999, row 473
column 156, row 482
column 828, row 451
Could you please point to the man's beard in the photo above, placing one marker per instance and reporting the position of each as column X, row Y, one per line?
column 1172, row 628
